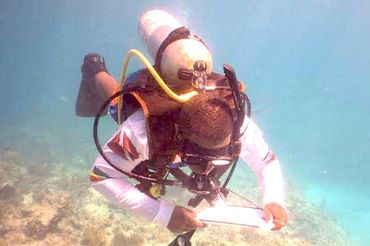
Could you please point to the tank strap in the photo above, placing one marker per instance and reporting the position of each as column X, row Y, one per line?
column 177, row 34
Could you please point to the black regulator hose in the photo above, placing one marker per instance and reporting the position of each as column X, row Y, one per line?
column 239, row 102
column 249, row 106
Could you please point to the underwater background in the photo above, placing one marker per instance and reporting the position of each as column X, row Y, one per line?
column 306, row 65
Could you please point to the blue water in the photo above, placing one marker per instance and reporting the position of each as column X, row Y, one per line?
column 306, row 65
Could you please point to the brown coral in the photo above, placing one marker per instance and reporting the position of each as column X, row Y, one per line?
column 120, row 239
column 7, row 192
column 35, row 229
column 93, row 236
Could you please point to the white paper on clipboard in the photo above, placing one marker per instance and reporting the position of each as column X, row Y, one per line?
column 235, row 216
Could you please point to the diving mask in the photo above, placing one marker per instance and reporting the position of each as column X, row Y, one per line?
column 203, row 161
column 194, row 159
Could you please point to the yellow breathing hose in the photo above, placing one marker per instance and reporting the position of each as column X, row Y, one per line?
column 153, row 72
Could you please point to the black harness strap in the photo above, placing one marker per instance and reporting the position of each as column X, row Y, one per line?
column 177, row 34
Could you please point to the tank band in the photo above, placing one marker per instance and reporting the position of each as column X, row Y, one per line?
column 177, row 34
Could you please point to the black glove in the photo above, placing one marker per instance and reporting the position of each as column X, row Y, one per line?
column 183, row 220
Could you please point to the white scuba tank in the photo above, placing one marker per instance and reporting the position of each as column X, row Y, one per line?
column 154, row 28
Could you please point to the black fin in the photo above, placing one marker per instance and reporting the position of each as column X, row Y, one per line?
column 88, row 101
column 183, row 239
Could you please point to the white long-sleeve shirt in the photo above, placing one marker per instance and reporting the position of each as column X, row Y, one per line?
column 132, row 137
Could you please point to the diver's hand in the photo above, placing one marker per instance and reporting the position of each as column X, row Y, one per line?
column 184, row 220
column 278, row 214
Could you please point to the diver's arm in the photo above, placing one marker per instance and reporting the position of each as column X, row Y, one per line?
column 128, row 197
column 257, row 154
column 132, row 138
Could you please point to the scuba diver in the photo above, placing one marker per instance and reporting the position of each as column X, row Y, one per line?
column 197, row 120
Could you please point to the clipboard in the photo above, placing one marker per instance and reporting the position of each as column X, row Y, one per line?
column 229, row 215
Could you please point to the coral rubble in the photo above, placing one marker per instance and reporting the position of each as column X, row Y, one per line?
column 53, row 204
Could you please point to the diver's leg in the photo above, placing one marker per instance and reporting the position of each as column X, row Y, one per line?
column 105, row 84
column 97, row 85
